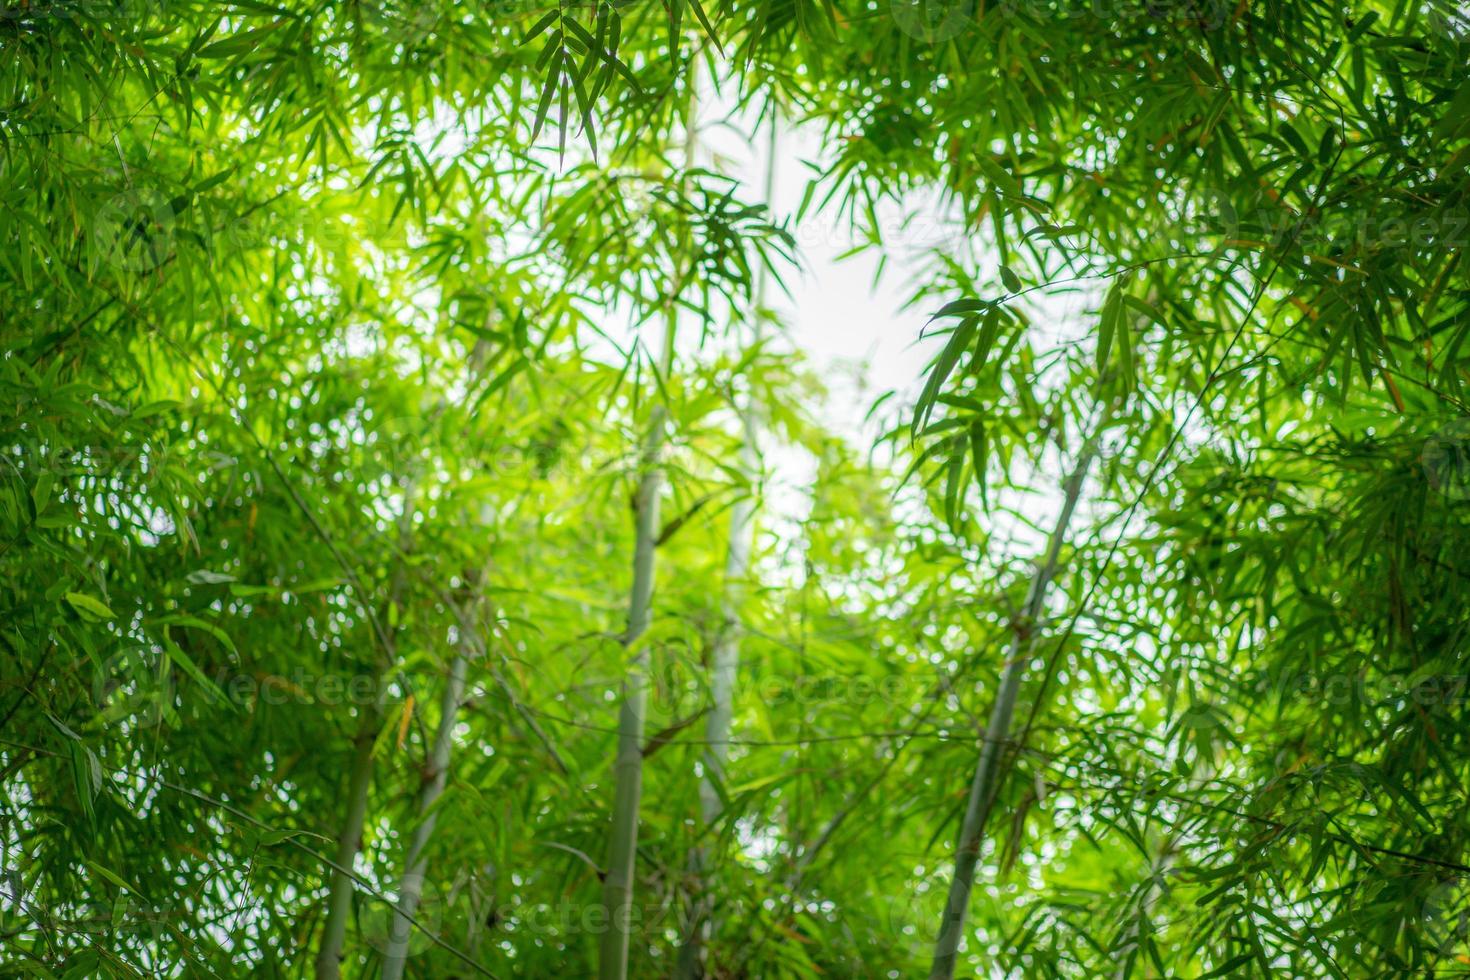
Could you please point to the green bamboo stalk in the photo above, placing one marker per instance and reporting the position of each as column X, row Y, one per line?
column 416, row 864
column 997, row 732
column 726, row 654
column 349, row 839
column 726, row 657
column 410, row 889
column 628, row 765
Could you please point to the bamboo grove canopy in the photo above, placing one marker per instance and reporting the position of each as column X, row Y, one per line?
column 377, row 603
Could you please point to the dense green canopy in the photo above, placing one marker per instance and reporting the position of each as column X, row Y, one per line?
column 358, row 361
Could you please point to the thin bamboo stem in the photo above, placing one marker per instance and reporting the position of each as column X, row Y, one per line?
column 628, row 765
column 349, row 839
column 328, row 965
column 410, row 890
column 329, row 953
column 416, row 864
column 997, row 732
column 725, row 657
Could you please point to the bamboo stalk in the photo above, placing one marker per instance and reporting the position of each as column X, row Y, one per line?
column 416, row 864
column 349, row 839
column 997, row 732
column 725, row 657
column 628, row 765
column 726, row 654
column 359, row 782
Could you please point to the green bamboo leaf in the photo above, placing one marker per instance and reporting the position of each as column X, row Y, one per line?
column 1109, row 319
column 709, row 30
column 89, row 608
column 538, row 28
column 548, row 92
column 959, row 341
column 178, row 656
